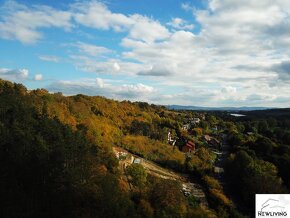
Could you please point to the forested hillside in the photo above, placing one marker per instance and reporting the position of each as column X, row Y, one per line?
column 49, row 169
column 56, row 157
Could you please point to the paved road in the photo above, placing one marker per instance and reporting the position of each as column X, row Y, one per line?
column 220, row 162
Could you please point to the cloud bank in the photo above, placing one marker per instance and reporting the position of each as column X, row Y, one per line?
column 240, row 55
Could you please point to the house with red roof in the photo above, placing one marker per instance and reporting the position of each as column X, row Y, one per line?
column 188, row 147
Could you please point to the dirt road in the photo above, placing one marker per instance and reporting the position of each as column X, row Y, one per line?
column 126, row 158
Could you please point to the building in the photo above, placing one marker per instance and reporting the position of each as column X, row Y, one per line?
column 169, row 138
column 186, row 127
column 196, row 120
column 137, row 161
column 207, row 138
column 218, row 170
column 188, row 147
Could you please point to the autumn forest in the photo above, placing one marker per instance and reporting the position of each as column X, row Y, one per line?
column 58, row 158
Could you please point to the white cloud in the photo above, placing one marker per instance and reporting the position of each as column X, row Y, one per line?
column 103, row 88
column 246, row 26
column 157, row 71
column 15, row 75
column 100, row 83
column 187, row 6
column 178, row 56
column 95, row 14
column 248, row 33
column 38, row 77
column 18, row 22
column 116, row 67
column 92, row 50
column 229, row 90
column 240, row 55
column 18, row 75
column 180, row 24
column 147, row 29
column 107, row 66
column 133, row 91
column 22, row 23
column 49, row 58
column 23, row 73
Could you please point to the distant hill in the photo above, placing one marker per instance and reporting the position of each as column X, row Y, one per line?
column 198, row 108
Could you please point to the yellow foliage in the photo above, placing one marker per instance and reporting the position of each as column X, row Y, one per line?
column 212, row 182
column 107, row 122
column 152, row 149
column 220, row 197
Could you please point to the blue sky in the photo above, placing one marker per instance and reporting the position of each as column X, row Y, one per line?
column 199, row 52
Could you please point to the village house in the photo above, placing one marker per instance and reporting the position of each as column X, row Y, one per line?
column 188, row 147
column 203, row 116
column 207, row 138
column 186, row 127
column 196, row 120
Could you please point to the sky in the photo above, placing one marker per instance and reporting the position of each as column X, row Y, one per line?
column 198, row 52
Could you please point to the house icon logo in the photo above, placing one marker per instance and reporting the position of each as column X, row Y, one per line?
column 272, row 205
